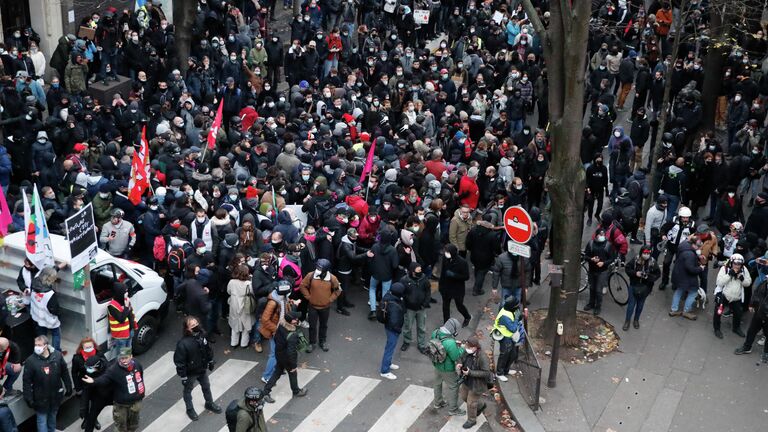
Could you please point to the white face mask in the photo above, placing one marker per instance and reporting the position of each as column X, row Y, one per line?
column 201, row 250
column 470, row 351
column 201, row 219
column 646, row 256
column 39, row 350
column 89, row 349
column 233, row 197
column 447, row 255
column 731, row 194
column 617, row 134
column 600, row 239
column 104, row 195
column 153, row 207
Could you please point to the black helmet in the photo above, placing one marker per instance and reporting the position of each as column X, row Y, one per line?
column 623, row 192
column 253, row 394
column 667, row 137
column 283, row 287
column 323, row 265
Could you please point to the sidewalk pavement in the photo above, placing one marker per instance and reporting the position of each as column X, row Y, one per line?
column 670, row 375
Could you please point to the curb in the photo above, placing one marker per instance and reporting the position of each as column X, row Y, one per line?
column 510, row 397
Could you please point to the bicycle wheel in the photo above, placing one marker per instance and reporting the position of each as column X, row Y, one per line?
column 583, row 281
column 619, row 288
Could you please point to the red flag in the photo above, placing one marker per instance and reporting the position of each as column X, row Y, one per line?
column 214, row 130
column 629, row 26
column 139, row 171
column 369, row 160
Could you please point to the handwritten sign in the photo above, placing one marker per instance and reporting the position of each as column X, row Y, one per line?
column 81, row 234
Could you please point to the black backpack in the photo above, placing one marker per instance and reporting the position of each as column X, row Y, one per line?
column 231, row 415
column 322, row 208
column 381, row 312
column 176, row 258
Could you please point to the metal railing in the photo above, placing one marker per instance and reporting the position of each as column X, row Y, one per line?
column 529, row 382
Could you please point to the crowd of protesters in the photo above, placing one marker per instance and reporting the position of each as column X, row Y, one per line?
column 454, row 114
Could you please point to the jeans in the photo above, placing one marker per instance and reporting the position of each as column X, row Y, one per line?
column 451, row 381
column 46, row 421
column 420, row 316
column 214, row 314
column 328, row 65
column 7, row 421
column 389, row 350
column 635, row 305
column 385, row 285
column 507, row 292
column 108, row 57
column 256, row 336
column 10, row 377
column 271, row 361
column 517, row 125
column 713, row 201
column 118, row 344
column 205, row 385
column 674, row 201
column 678, row 295
column 479, row 279
column 316, row 315
column 55, row 335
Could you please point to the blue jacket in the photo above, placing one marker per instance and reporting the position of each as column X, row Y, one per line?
column 5, row 167
column 395, row 313
column 686, row 273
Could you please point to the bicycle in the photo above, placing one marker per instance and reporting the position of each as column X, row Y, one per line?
column 618, row 285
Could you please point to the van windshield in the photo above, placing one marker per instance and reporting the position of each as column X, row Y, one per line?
column 104, row 277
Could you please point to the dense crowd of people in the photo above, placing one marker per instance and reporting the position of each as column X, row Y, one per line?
column 400, row 143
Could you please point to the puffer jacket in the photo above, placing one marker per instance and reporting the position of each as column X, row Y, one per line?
column 483, row 243
column 732, row 284
column 395, row 313
column 506, row 269
column 384, row 263
column 686, row 273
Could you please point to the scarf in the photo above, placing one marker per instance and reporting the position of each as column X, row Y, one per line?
column 87, row 355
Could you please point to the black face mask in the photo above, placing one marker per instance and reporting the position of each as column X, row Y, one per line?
column 195, row 330
column 417, row 275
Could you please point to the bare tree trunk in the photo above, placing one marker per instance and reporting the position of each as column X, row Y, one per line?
column 184, row 18
column 713, row 66
column 565, row 42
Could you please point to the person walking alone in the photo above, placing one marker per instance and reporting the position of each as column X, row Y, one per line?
column 394, row 311
column 454, row 274
column 193, row 359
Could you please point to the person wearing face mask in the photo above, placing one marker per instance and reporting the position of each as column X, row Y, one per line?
column 459, row 228
column 193, row 358
column 126, row 379
column 476, row 376
column 117, row 236
column 689, row 265
column 93, row 399
column 732, row 279
column 482, row 244
column 453, row 277
column 46, row 383
column 416, row 300
column 247, row 414
column 758, row 220
column 287, row 341
column 85, row 350
column 597, row 187
column 320, row 288
column 348, row 256
column 122, row 322
column 598, row 254
column 151, row 223
column 643, row 273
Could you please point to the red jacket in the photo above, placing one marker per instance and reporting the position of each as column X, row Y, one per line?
column 436, row 168
column 333, row 42
column 367, row 231
column 469, row 193
column 358, row 204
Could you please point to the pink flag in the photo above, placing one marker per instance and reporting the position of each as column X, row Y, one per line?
column 5, row 214
column 369, row 160
column 214, row 130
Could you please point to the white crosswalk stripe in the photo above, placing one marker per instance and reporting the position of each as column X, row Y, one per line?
column 175, row 418
column 338, row 405
column 282, row 394
column 404, row 410
column 455, row 424
column 155, row 375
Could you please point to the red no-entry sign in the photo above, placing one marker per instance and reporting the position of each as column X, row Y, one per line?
column 518, row 224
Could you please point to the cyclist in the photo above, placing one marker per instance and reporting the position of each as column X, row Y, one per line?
column 678, row 229
column 613, row 234
column 598, row 254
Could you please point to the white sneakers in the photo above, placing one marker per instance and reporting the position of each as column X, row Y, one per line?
column 389, row 376
column 394, row 366
column 502, row 378
column 304, row 324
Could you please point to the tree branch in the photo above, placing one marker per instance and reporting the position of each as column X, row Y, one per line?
column 533, row 17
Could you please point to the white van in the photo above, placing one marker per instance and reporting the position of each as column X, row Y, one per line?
column 84, row 312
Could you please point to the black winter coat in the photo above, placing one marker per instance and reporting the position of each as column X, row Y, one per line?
column 287, row 346
column 395, row 313
column 417, row 292
column 192, row 355
column 758, row 221
column 383, row 265
column 127, row 385
column 454, row 274
column 43, row 379
column 78, row 369
column 686, row 273
column 483, row 244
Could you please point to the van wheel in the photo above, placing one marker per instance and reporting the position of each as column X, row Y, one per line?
column 145, row 335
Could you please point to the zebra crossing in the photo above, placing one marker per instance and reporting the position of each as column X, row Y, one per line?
column 338, row 404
